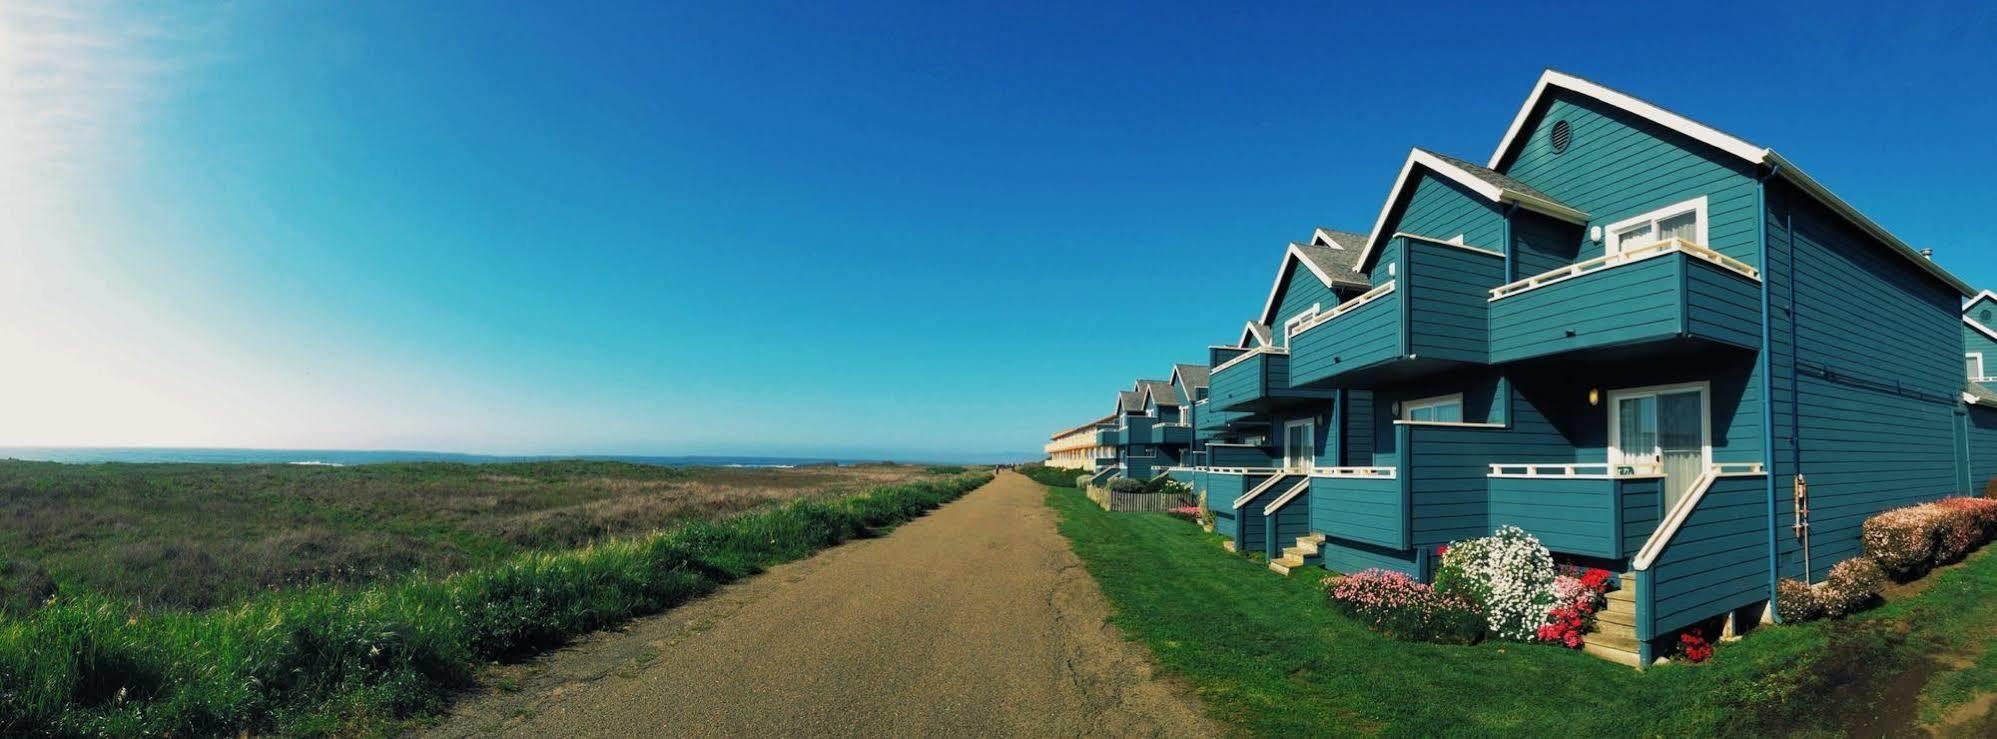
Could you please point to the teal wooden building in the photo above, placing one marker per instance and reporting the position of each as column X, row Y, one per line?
column 1634, row 335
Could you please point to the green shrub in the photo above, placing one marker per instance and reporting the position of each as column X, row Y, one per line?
column 1125, row 485
column 1082, row 481
column 945, row 469
column 1796, row 601
column 24, row 587
column 330, row 659
column 1058, row 477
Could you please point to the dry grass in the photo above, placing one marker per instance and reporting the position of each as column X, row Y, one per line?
column 195, row 536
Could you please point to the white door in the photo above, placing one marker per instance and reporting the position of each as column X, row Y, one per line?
column 1297, row 445
column 1664, row 427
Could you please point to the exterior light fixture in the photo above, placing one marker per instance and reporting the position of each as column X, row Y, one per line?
column 1595, row 234
column 1594, row 396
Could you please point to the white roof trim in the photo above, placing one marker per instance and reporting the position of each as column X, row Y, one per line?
column 1724, row 142
column 1321, row 237
column 1269, row 305
column 1978, row 325
column 1698, row 131
column 1978, row 298
column 1473, row 183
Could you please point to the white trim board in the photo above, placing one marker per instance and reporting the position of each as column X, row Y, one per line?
column 1724, row 142
column 1473, row 183
column 1289, row 255
column 1612, row 242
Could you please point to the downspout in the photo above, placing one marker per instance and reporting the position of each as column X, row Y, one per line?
column 1503, row 403
column 1767, row 387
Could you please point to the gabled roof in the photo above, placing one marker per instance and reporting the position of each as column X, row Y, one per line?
column 1192, row 376
column 1109, row 419
column 1717, row 139
column 1158, row 392
column 1990, row 331
column 1493, row 186
column 1129, row 401
column 1976, row 394
column 1329, row 256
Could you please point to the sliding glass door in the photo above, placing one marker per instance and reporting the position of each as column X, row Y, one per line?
column 1665, row 427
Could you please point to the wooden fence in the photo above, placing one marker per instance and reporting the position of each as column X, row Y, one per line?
column 1138, row 502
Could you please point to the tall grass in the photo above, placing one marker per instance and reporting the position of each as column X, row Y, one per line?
column 330, row 659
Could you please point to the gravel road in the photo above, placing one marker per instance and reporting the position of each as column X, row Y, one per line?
column 976, row 620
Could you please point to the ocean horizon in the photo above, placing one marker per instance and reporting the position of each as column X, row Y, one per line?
column 352, row 457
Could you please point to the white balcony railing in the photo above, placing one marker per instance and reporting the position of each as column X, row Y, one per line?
column 1375, row 473
column 1625, row 257
column 1582, row 471
column 1243, row 357
column 1343, row 308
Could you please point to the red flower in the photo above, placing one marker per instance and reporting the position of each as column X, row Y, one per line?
column 1695, row 647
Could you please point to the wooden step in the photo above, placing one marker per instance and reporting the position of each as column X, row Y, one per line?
column 1623, row 595
column 1307, row 548
column 1618, row 616
column 1612, row 630
column 1290, row 560
column 1279, row 568
column 1228, row 545
column 1610, row 650
column 1300, row 552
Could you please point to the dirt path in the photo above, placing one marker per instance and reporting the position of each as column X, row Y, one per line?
column 976, row 620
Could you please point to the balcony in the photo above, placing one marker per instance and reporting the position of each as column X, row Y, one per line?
column 1169, row 434
column 1210, row 421
column 1639, row 299
column 1109, row 436
column 1428, row 318
column 1369, row 505
column 1596, row 510
column 1257, row 381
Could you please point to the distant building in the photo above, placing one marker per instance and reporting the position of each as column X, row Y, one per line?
column 1078, row 448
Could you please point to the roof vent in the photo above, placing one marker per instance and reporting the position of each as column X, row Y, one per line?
column 1561, row 136
column 1929, row 253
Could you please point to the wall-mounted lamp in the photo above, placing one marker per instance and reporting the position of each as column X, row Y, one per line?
column 1390, row 269
column 1397, row 410
column 1594, row 396
column 1595, row 234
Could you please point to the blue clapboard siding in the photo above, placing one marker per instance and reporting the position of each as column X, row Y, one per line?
column 1448, row 290
column 1866, row 378
column 1211, row 422
column 1236, row 384
column 1300, row 292
column 1439, row 208
column 1355, row 438
column 1370, row 335
column 1655, row 299
column 1232, row 455
column 1594, row 517
column 1619, row 166
column 1542, row 244
column 1717, row 561
column 1339, row 555
column 1222, row 489
column 1248, row 518
column 1983, row 311
column 1366, row 510
column 1982, row 427
column 1445, row 469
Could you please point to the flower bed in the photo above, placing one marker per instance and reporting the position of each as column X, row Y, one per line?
column 1394, row 604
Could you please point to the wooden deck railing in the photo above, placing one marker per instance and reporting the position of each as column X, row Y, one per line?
column 1343, row 308
column 1585, row 470
column 1624, row 257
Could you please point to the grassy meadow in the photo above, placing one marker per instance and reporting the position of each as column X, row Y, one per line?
column 195, row 536
column 1268, row 656
column 371, row 655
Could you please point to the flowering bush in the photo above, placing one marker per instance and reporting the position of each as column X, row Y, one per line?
column 1509, row 574
column 1575, row 601
column 1796, row 601
column 1852, row 586
column 1394, row 604
column 1190, row 513
column 1907, row 542
column 1695, row 647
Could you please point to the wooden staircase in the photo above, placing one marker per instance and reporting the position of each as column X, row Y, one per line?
column 1614, row 636
column 1304, row 553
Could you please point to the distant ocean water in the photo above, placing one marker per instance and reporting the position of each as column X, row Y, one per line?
column 85, row 455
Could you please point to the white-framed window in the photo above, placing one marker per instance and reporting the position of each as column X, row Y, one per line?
column 1441, row 408
column 1686, row 220
column 1973, row 362
column 1298, row 320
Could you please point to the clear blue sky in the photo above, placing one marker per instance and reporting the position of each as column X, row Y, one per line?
column 802, row 228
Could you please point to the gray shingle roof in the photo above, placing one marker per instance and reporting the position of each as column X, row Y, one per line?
column 1161, row 392
column 1129, row 401
column 1481, row 172
column 1338, row 262
column 1193, row 375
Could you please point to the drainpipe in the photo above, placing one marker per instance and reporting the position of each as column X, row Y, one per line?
column 1767, row 389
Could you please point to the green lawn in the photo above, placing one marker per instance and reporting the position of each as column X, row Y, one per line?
column 1267, row 655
